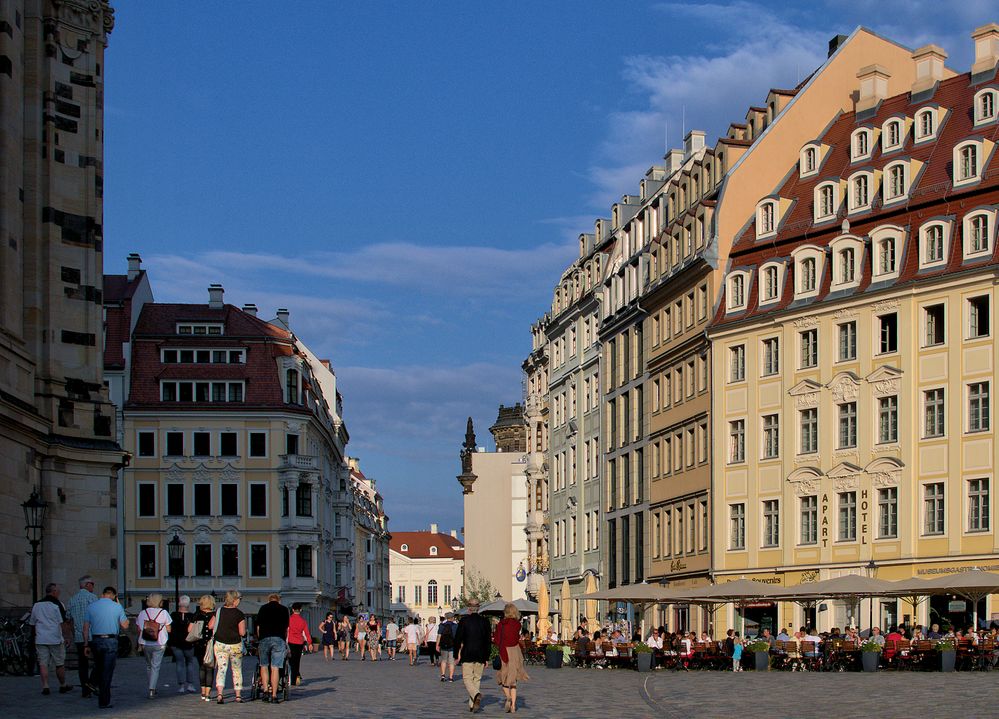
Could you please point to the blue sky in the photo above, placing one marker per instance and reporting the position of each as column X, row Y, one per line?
column 409, row 178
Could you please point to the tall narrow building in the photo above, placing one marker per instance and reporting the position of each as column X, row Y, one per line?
column 58, row 435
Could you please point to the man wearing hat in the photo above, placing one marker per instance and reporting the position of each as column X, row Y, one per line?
column 472, row 643
column 445, row 646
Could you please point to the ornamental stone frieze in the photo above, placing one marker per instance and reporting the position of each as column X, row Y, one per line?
column 176, row 474
column 845, row 387
column 805, row 393
column 810, row 321
column 886, row 305
column 885, row 381
column 844, row 314
column 805, row 480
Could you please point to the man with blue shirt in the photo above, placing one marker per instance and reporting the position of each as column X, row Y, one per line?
column 101, row 624
column 77, row 612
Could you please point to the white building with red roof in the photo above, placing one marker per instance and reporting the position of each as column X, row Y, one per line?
column 427, row 571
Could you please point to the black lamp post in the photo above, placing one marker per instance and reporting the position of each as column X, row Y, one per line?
column 454, row 604
column 872, row 572
column 34, row 520
column 176, row 549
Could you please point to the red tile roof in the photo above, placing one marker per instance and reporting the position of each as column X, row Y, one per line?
column 931, row 195
column 419, row 543
column 117, row 296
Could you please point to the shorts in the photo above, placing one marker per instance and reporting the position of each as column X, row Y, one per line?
column 271, row 652
column 53, row 655
column 361, row 636
column 390, row 643
column 447, row 656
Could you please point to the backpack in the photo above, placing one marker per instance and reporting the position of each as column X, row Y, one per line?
column 446, row 636
column 151, row 628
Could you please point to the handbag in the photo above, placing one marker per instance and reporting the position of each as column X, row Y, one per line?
column 195, row 630
column 209, row 659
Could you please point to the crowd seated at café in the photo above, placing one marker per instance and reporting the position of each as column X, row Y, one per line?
column 804, row 649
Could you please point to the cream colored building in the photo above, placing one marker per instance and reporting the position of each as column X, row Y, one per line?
column 495, row 515
column 57, row 426
column 536, row 415
column 855, row 350
column 371, row 590
column 427, row 573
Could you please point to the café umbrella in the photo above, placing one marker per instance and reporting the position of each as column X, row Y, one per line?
column 591, row 604
column 740, row 592
column 544, row 623
column 972, row 584
column 563, row 610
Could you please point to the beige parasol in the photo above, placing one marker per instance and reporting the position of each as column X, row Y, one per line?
column 591, row 604
column 544, row 623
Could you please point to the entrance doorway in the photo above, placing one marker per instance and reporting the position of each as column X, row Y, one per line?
column 758, row 616
column 952, row 611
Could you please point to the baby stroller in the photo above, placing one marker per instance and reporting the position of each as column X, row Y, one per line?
column 284, row 678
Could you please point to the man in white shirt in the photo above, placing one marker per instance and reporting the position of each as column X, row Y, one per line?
column 655, row 640
column 47, row 617
column 391, row 637
column 413, row 638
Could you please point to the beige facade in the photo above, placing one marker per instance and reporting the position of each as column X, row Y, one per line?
column 536, row 416
column 57, row 428
column 372, row 589
column 427, row 570
column 854, row 354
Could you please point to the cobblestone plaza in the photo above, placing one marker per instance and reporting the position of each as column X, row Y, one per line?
column 393, row 689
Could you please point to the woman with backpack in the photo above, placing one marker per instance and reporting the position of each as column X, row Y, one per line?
column 153, row 624
column 182, row 645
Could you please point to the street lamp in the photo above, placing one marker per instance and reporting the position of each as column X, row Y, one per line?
column 176, row 549
column 440, row 611
column 34, row 520
column 872, row 572
column 454, row 604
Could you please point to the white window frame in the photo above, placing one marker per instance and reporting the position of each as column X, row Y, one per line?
column 761, row 209
column 960, row 177
column 886, row 134
column 985, row 519
column 138, row 442
column 803, row 170
column 888, row 192
column 808, row 252
column 138, row 560
column 918, row 134
column 778, row 269
column 984, row 419
column 856, row 152
column 852, row 205
column 739, row 277
column 249, row 559
column 982, row 118
column 990, row 217
column 878, row 236
column 924, row 231
column 156, row 501
column 817, row 214
column 839, row 246
column 249, row 502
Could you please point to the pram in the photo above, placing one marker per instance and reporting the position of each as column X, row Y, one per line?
column 284, row 677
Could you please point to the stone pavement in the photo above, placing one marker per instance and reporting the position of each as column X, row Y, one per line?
column 394, row 689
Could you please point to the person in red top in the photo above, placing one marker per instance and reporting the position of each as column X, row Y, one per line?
column 507, row 638
column 891, row 643
column 298, row 639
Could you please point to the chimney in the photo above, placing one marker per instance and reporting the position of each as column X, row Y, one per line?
column 454, row 534
column 215, row 296
column 693, row 142
column 873, row 86
column 433, row 527
column 134, row 266
column 283, row 316
column 250, row 310
column 986, row 48
column 929, row 61
column 836, row 43
column 674, row 161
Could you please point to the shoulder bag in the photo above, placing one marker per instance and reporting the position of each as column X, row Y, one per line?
column 195, row 630
column 209, row 659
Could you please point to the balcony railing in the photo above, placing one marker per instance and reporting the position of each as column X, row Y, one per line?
column 298, row 461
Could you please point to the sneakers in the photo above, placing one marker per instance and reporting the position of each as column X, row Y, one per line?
column 152, row 693
column 442, row 678
column 477, row 702
column 65, row 688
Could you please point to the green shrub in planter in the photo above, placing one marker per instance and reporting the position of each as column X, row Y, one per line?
column 643, row 657
column 948, row 655
column 870, row 655
column 553, row 656
column 761, row 654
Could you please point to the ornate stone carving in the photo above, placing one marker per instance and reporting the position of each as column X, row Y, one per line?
column 805, row 486
column 807, row 400
column 201, row 474
column 230, row 474
column 886, row 305
column 175, row 474
column 844, row 314
column 880, row 449
column 844, row 388
column 844, row 484
column 809, row 321
column 885, row 386
column 885, row 478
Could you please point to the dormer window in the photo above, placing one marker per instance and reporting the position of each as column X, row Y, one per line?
column 985, row 106
column 933, row 250
column 809, row 162
column 926, row 124
column 861, row 145
column 846, row 253
column 769, row 283
column 892, row 134
column 847, row 264
column 404, row 548
column 896, row 181
column 886, row 246
column 886, row 256
column 433, row 552
column 978, row 234
column 806, row 282
column 860, row 192
column 737, row 291
column 967, row 163
column 766, row 218
column 826, row 201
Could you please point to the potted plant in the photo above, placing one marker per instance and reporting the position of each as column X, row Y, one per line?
column 948, row 654
column 870, row 652
column 643, row 657
column 761, row 654
column 553, row 656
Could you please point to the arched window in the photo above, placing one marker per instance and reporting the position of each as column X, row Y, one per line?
column 966, row 163
column 847, row 265
column 291, row 387
column 861, row 146
column 766, row 218
column 933, row 243
column 892, row 134
column 886, row 256
column 809, row 160
column 896, row 185
column 860, row 192
column 737, row 290
column 432, row 590
column 404, row 548
column 825, row 201
column 978, row 234
column 806, row 282
column 433, row 550
column 985, row 106
column 771, row 283
column 926, row 124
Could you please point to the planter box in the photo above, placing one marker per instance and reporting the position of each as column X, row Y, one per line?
column 762, row 660
column 947, row 660
column 870, row 660
column 553, row 658
column 644, row 661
